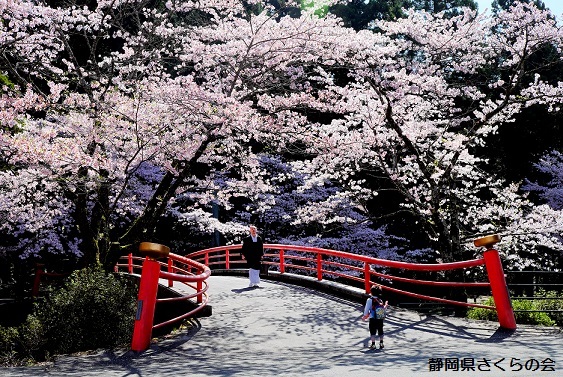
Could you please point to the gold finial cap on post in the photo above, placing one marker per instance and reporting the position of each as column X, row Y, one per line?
column 154, row 250
column 488, row 241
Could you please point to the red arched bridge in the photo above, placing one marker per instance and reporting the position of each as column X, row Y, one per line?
column 194, row 269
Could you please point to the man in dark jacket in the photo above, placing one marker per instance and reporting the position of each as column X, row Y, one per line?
column 253, row 250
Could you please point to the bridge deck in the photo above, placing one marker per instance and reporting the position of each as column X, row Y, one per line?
column 284, row 330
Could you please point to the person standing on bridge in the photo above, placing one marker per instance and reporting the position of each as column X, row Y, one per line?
column 375, row 310
column 253, row 251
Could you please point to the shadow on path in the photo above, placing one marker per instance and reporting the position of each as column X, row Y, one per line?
column 285, row 330
column 499, row 336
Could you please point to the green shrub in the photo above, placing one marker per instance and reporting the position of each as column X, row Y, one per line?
column 482, row 313
column 93, row 310
column 8, row 343
column 553, row 301
column 23, row 344
column 531, row 317
column 32, row 338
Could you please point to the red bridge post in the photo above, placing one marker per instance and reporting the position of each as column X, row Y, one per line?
column 367, row 277
column 148, row 289
column 39, row 271
column 499, row 288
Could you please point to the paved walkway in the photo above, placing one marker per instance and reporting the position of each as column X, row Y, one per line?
column 284, row 330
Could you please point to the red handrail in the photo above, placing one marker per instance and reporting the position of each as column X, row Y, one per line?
column 346, row 255
column 180, row 271
column 186, row 277
column 222, row 256
column 40, row 273
column 352, row 267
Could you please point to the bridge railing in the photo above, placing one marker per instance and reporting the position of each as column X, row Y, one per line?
column 158, row 263
column 359, row 269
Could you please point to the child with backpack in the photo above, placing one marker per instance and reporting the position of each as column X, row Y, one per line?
column 375, row 310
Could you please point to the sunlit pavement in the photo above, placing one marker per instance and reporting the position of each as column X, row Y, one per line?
column 284, row 330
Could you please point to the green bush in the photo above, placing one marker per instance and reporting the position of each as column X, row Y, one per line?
column 482, row 313
column 23, row 344
column 553, row 301
column 531, row 317
column 9, row 338
column 92, row 310
column 32, row 338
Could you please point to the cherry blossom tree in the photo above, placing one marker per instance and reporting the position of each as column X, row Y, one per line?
column 538, row 232
column 420, row 103
column 296, row 212
column 550, row 167
column 124, row 111
column 141, row 103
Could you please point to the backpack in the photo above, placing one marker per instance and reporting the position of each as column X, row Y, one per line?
column 377, row 308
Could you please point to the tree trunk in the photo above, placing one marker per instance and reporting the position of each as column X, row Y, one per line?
column 143, row 228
